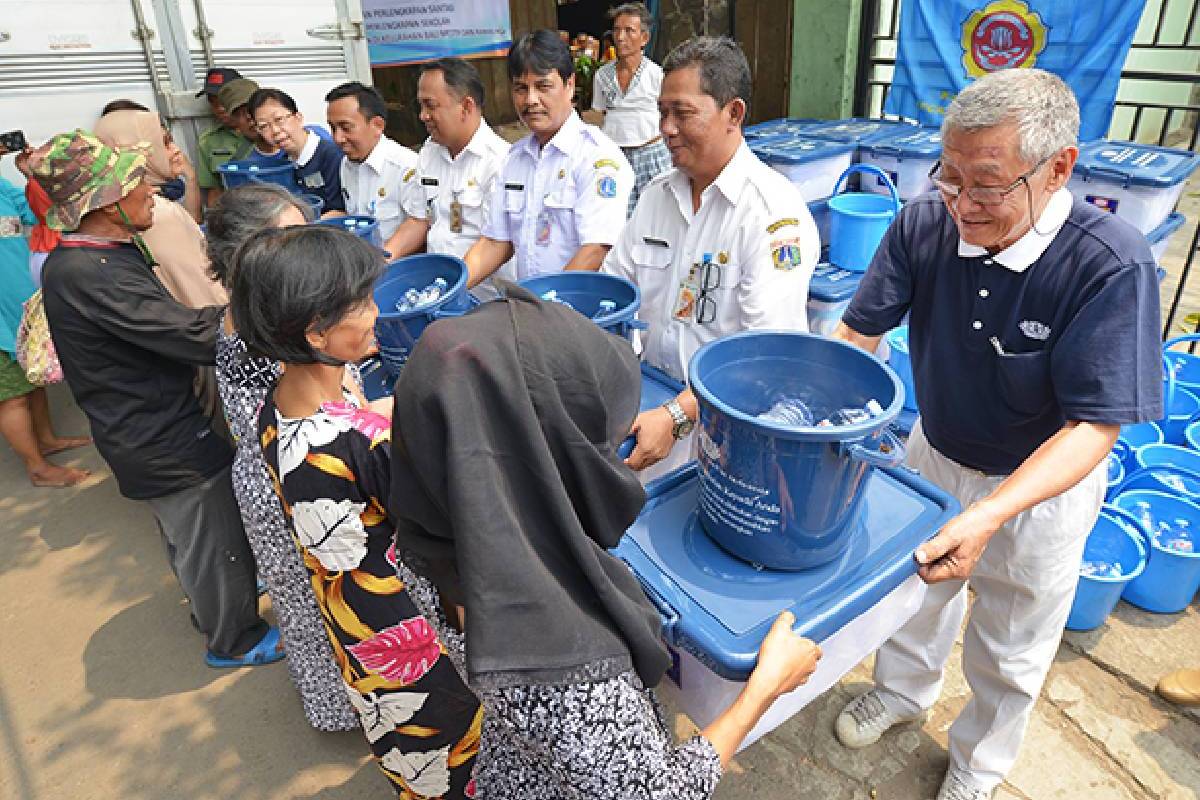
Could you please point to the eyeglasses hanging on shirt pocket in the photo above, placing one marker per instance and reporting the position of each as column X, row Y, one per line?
column 710, row 281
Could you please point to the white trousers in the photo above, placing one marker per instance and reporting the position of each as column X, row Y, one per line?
column 1024, row 584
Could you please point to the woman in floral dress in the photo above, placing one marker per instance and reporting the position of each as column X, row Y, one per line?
column 243, row 383
column 303, row 296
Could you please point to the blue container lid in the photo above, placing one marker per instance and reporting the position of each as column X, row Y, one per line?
column 1133, row 164
column 798, row 150
column 1169, row 226
column 719, row 607
column 923, row 143
column 776, row 127
column 830, row 284
column 858, row 130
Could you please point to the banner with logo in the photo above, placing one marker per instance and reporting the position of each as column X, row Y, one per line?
column 414, row 31
column 945, row 44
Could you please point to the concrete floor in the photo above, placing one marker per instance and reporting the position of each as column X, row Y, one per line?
column 104, row 694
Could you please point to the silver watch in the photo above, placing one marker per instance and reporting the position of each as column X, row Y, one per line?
column 683, row 423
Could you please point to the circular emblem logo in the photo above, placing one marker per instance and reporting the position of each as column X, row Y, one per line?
column 1003, row 35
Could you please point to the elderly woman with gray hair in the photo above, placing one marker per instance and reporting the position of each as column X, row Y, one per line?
column 1034, row 336
column 243, row 382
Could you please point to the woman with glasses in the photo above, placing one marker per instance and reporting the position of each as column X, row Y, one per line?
column 318, row 160
column 1034, row 335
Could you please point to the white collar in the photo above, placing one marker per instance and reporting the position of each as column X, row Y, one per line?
column 476, row 145
column 564, row 139
column 729, row 182
column 309, row 149
column 380, row 155
column 1021, row 254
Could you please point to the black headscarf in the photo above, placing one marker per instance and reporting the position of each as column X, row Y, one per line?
column 507, row 490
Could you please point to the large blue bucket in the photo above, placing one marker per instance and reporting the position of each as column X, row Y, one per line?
column 1192, row 435
column 1116, row 474
column 1165, row 468
column 901, row 361
column 363, row 227
column 1171, row 578
column 1116, row 539
column 858, row 220
column 397, row 331
column 783, row 496
column 237, row 173
column 377, row 381
column 1184, row 366
column 1182, row 407
column 584, row 291
column 1134, row 436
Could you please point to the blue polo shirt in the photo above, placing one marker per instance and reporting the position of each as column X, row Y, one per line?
column 1007, row 348
column 321, row 172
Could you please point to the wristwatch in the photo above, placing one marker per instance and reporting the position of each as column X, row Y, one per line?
column 683, row 423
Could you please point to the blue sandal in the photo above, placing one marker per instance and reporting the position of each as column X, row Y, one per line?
column 267, row 651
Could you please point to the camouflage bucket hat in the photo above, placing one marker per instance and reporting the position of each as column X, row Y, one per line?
column 81, row 174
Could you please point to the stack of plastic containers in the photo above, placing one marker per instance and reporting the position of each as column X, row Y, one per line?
column 813, row 165
column 1138, row 182
column 906, row 155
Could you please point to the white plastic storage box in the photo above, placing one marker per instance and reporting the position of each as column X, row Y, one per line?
column 829, row 294
column 906, row 156
column 857, row 131
column 777, row 128
column 813, row 165
column 1138, row 182
column 1160, row 237
column 716, row 609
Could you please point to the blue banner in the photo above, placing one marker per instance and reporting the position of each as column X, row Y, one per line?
column 413, row 31
column 945, row 44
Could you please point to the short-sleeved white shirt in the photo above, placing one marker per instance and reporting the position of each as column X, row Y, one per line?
column 552, row 200
column 374, row 187
column 468, row 180
column 761, row 238
column 630, row 117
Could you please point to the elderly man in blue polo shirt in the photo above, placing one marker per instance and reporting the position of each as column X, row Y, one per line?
column 1034, row 336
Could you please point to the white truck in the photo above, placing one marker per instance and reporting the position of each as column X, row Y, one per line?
column 61, row 61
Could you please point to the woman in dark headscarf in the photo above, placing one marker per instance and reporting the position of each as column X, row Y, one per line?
column 508, row 491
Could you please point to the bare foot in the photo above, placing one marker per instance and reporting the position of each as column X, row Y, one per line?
column 60, row 443
column 54, row 475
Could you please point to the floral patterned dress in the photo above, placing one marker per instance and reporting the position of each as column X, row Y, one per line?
column 422, row 722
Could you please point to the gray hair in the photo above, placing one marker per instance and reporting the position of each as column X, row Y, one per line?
column 240, row 213
column 638, row 10
column 724, row 72
column 1039, row 103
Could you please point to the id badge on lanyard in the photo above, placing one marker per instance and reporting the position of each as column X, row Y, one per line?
column 684, row 309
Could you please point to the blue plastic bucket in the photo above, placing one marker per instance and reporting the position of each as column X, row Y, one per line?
column 361, row 226
column 783, row 496
column 1182, row 407
column 1192, row 436
column 377, row 381
column 397, row 331
column 1183, row 477
column 584, row 291
column 1134, row 436
column 858, row 220
column 899, row 359
column 237, row 173
column 1116, row 474
column 1171, row 579
column 1184, row 366
column 1118, row 539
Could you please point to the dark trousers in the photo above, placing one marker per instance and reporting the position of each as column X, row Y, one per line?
column 208, row 552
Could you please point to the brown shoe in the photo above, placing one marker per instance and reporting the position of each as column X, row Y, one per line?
column 1181, row 687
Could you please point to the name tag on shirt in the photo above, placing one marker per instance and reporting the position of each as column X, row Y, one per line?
column 515, row 187
column 314, row 181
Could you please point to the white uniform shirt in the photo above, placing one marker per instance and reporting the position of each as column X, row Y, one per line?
column 764, row 246
column 630, row 117
column 455, row 194
column 373, row 187
column 551, row 201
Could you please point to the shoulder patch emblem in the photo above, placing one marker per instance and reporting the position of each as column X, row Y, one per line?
column 606, row 162
column 786, row 254
column 408, row 175
column 606, row 186
column 782, row 223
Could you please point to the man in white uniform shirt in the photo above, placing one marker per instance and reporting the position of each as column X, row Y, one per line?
column 448, row 198
column 626, row 90
column 561, row 197
column 374, row 170
column 718, row 245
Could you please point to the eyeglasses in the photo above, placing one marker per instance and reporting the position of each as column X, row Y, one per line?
column 980, row 195
column 710, row 280
column 277, row 122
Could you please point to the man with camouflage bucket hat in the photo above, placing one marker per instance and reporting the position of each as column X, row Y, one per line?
column 128, row 351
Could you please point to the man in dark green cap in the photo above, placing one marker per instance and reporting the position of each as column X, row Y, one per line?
column 128, row 351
